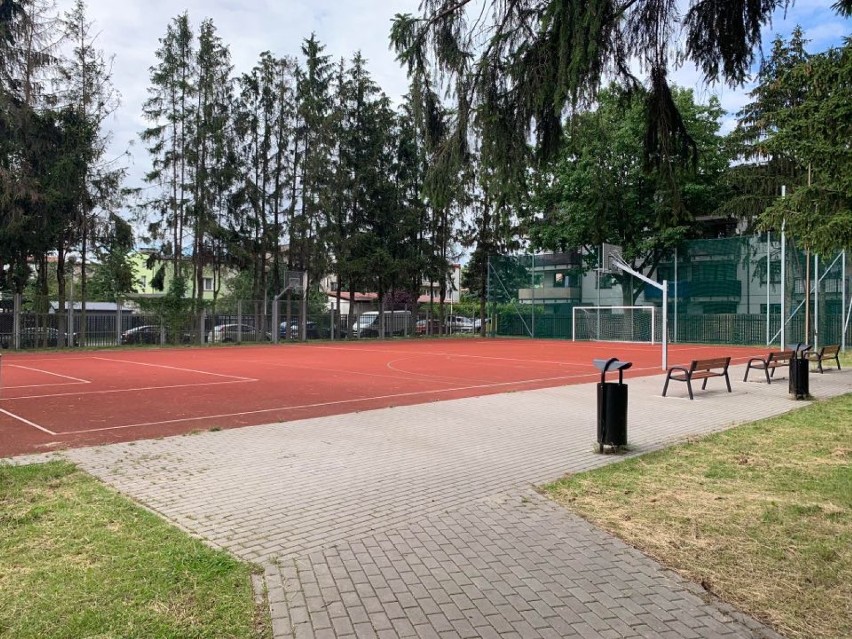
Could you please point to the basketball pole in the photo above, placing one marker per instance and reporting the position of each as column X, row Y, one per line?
column 620, row 264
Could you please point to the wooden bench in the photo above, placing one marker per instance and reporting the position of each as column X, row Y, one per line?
column 776, row 359
column 826, row 352
column 699, row 369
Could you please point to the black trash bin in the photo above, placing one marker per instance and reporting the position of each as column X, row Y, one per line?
column 799, row 371
column 612, row 404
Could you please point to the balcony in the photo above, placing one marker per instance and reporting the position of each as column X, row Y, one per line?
column 562, row 294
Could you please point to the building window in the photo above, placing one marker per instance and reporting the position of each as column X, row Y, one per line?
column 714, row 271
column 774, row 272
column 208, row 283
column 774, row 309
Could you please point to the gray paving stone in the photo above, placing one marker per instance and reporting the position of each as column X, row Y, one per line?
column 422, row 520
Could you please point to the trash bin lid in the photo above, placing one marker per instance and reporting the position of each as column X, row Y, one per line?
column 799, row 347
column 611, row 364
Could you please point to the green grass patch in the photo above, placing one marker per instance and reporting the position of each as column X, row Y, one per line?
column 760, row 515
column 79, row 560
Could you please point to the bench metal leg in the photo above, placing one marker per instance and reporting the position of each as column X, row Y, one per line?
column 748, row 368
column 666, row 387
column 704, row 383
column 689, row 387
column 766, row 372
column 728, row 381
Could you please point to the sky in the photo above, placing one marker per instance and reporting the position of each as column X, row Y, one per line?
column 130, row 30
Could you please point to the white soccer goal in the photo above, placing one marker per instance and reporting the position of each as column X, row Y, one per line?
column 615, row 323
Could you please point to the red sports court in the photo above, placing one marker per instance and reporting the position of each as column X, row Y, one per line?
column 50, row 401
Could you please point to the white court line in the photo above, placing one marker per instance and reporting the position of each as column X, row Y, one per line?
column 28, row 422
column 175, row 368
column 337, row 402
column 43, row 385
column 452, row 355
column 127, row 390
column 343, row 371
column 39, row 370
column 515, row 359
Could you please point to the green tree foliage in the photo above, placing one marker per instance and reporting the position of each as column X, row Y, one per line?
column 599, row 190
column 314, row 139
column 264, row 126
column 113, row 277
column 210, row 159
column 815, row 133
column 168, row 139
column 513, row 68
column 96, row 188
column 761, row 171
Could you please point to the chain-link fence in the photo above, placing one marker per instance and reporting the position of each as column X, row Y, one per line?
column 720, row 291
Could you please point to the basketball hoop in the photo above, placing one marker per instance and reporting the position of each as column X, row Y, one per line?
column 294, row 281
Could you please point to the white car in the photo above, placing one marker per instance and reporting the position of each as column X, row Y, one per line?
column 230, row 332
column 459, row 324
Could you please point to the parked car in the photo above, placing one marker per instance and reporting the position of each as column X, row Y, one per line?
column 147, row 334
column 40, row 337
column 312, row 330
column 477, row 324
column 459, row 324
column 427, row 327
column 368, row 324
column 230, row 332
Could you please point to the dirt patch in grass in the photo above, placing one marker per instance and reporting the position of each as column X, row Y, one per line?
column 760, row 515
column 79, row 560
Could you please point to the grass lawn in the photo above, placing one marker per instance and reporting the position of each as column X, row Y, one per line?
column 760, row 515
column 79, row 560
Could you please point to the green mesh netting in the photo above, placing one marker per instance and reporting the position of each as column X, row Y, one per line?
column 721, row 291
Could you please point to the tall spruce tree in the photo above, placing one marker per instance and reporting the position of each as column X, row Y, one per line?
column 208, row 150
column 87, row 90
column 169, row 110
column 307, row 251
column 814, row 134
column 761, row 169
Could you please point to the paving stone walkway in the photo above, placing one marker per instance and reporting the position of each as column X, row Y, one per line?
column 422, row 520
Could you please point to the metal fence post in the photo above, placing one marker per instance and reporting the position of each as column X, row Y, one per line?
column 16, row 322
column 816, row 301
column 843, row 320
column 239, row 322
column 303, row 325
column 118, row 315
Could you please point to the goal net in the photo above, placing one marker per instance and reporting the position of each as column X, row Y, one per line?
column 615, row 323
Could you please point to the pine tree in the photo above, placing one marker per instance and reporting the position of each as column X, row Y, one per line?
column 88, row 91
column 169, row 109
column 307, row 252
column 208, row 151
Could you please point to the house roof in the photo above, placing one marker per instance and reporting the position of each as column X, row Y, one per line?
column 374, row 297
column 103, row 307
column 358, row 297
